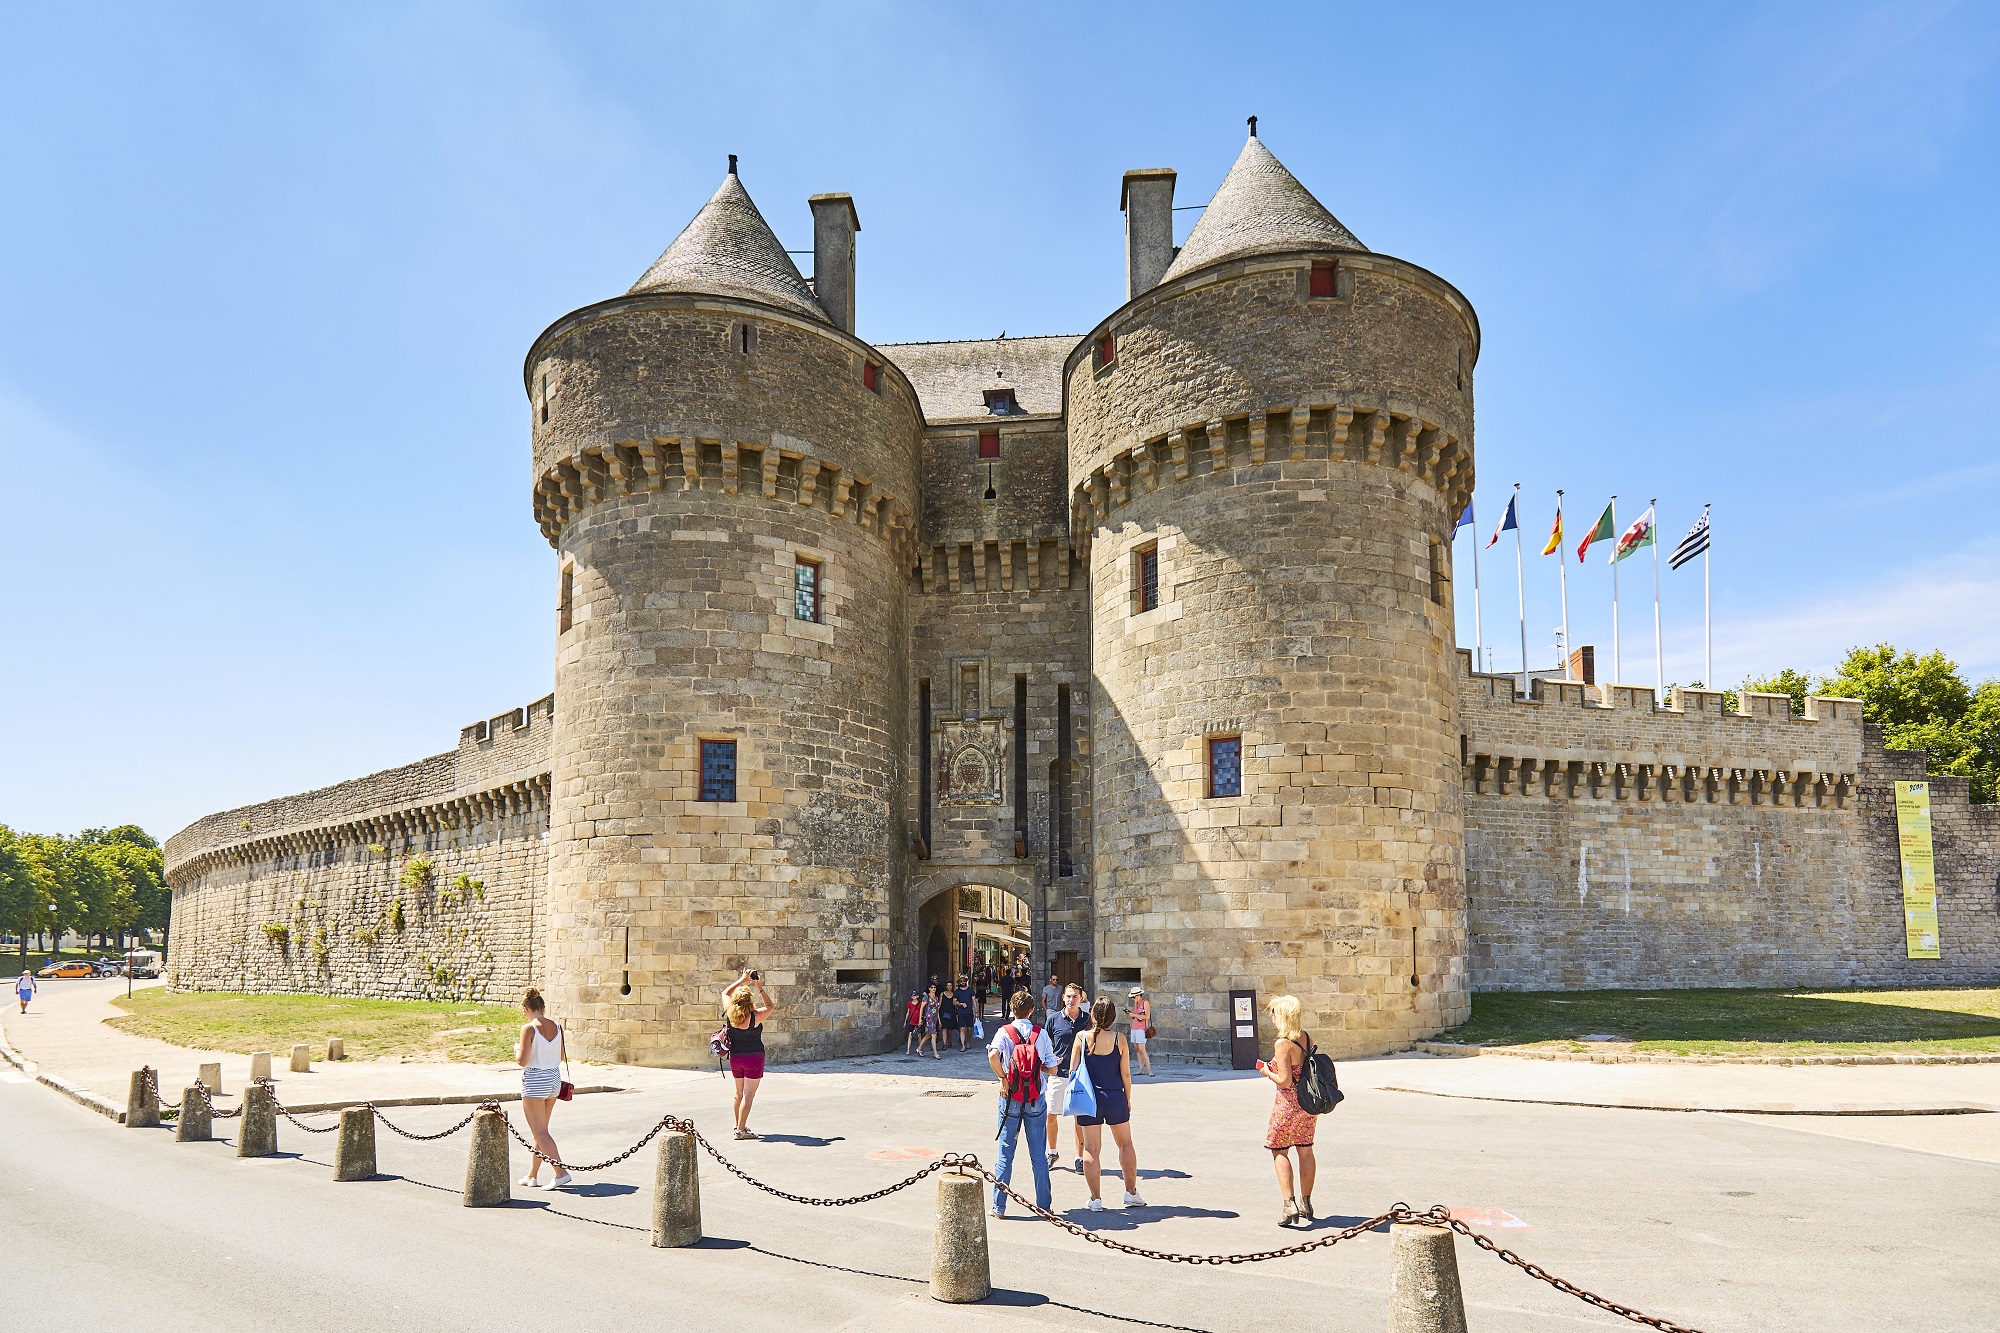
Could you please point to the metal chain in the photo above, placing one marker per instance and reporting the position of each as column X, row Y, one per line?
column 426, row 1138
column 949, row 1159
column 666, row 1122
column 209, row 1101
column 1437, row 1216
column 151, row 1086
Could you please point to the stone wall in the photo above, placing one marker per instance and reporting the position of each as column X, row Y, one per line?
column 425, row 881
column 1614, row 844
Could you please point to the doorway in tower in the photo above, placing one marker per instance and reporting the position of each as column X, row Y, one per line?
column 982, row 934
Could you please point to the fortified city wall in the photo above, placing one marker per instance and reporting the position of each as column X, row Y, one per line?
column 324, row 891
column 1612, row 843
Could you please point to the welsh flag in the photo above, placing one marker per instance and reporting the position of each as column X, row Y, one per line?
column 1603, row 530
column 1638, row 535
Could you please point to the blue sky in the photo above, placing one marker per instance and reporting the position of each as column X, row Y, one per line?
column 271, row 271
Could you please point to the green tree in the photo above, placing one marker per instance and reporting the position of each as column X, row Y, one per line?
column 1923, row 703
column 1795, row 683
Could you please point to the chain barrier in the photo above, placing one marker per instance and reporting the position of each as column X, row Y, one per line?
column 208, row 1100
column 151, row 1088
column 968, row 1163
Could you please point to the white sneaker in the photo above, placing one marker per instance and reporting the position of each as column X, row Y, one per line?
column 1131, row 1201
column 564, row 1179
column 1095, row 1205
column 530, row 1183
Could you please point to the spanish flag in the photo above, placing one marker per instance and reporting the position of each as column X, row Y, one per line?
column 1555, row 533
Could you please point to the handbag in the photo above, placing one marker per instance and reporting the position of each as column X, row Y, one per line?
column 568, row 1089
column 1151, row 1031
column 1081, row 1099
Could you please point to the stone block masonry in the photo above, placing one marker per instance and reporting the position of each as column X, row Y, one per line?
column 427, row 881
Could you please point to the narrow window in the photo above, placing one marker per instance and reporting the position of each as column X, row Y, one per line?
column 1325, row 278
column 805, row 590
column 548, row 392
column 1439, row 576
column 924, row 766
column 1225, row 766
column 1065, row 847
column 565, row 599
column 718, row 770
column 1146, row 578
column 871, row 377
column 745, row 339
column 1021, row 765
column 1107, row 351
column 989, row 444
column 968, row 691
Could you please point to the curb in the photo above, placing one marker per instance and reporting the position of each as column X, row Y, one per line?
column 1723, row 1108
column 1458, row 1051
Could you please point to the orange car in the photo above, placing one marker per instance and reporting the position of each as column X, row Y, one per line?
column 68, row 970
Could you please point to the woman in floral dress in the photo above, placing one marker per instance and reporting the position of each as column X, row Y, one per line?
column 931, row 1024
column 1290, row 1129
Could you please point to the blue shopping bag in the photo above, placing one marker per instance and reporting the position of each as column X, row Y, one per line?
column 1081, row 1098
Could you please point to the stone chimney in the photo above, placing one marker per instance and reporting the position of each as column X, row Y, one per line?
column 1148, row 203
column 834, row 225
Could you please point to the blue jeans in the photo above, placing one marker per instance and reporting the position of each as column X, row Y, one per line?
column 1034, row 1118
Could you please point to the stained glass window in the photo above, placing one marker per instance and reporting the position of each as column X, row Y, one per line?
column 805, row 591
column 1225, row 766
column 718, row 770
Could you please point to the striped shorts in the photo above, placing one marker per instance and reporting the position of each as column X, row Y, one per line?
column 536, row 1082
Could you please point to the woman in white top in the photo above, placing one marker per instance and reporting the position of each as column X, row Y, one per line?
column 540, row 1057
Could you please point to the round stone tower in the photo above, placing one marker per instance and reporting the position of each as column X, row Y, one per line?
column 728, row 477
column 1268, row 451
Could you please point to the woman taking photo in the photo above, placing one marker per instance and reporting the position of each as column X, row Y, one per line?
column 540, row 1057
column 1106, row 1058
column 746, row 1043
column 1290, row 1128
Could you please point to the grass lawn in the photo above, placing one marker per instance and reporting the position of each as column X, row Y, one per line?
column 421, row 1029
column 1739, row 1022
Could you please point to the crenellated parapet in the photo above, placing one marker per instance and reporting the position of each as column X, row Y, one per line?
column 1571, row 741
column 781, row 470
column 1390, row 434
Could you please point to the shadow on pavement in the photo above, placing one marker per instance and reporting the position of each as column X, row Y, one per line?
column 602, row 1189
column 1115, row 1219
column 803, row 1140
column 1337, row 1222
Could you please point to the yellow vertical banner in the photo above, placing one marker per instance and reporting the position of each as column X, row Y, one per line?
column 1913, row 842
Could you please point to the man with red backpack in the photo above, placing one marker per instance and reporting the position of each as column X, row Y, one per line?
column 1021, row 1057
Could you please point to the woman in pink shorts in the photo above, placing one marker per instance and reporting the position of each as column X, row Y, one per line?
column 746, row 1043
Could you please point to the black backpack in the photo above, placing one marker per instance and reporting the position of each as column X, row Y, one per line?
column 1317, row 1086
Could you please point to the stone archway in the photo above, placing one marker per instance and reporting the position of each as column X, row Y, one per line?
column 934, row 910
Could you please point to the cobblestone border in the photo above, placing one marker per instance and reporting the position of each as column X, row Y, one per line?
column 1455, row 1049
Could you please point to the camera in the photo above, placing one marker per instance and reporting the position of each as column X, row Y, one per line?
column 756, row 976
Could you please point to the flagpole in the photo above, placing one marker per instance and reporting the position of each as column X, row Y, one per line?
column 1617, row 662
column 1520, row 589
column 1478, row 627
column 1659, row 657
column 1562, row 570
column 1707, row 626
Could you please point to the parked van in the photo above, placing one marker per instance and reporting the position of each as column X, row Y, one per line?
column 143, row 963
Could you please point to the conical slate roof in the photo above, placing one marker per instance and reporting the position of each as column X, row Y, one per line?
column 729, row 250
column 1260, row 208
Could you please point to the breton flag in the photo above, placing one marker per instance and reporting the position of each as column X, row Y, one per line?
column 1555, row 533
column 1640, row 534
column 1602, row 531
column 1691, row 545
column 1506, row 522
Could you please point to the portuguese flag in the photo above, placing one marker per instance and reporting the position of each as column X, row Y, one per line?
column 1605, row 530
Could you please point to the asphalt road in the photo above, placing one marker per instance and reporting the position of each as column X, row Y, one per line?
column 1728, row 1224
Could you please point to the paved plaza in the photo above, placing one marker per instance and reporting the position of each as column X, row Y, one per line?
column 1725, row 1222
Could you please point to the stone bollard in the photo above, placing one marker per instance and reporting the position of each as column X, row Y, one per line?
column 487, row 1168
column 193, row 1126
column 260, row 1066
column 210, row 1077
column 676, row 1192
column 302, row 1059
column 1424, row 1296
column 960, row 1269
column 354, row 1150
column 142, row 1106
column 259, row 1135
column 336, row 1049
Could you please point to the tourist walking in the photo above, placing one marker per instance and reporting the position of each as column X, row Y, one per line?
column 961, row 1000
column 913, row 1022
column 25, row 988
column 540, row 1056
column 1103, row 1056
column 1142, row 1029
column 1021, row 1057
column 931, row 1024
column 747, row 1015
column 1064, row 1025
column 1291, row 1126
column 1051, row 998
column 947, row 1012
